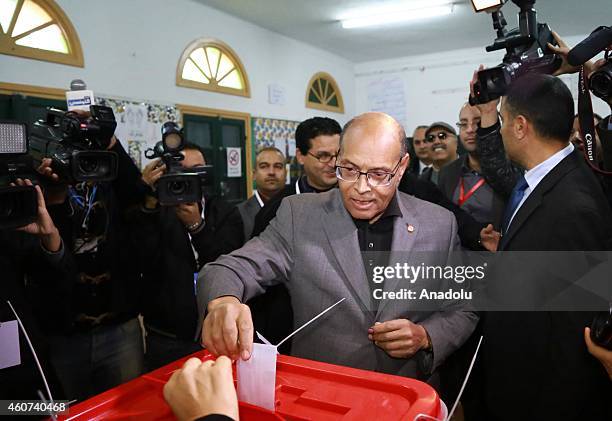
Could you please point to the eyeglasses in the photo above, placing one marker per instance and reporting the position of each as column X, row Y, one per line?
column 375, row 178
column 323, row 157
column 440, row 135
column 465, row 124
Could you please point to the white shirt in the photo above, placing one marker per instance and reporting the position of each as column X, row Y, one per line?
column 537, row 173
column 423, row 166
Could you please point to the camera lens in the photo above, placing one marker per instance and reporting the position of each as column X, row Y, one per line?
column 88, row 165
column 601, row 83
column 177, row 187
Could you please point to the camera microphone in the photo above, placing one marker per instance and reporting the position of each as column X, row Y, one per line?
column 79, row 97
column 588, row 48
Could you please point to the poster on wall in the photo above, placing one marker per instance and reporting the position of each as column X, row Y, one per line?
column 139, row 124
column 387, row 94
column 280, row 134
column 234, row 162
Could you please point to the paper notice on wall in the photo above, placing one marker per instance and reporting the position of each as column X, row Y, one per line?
column 387, row 94
column 234, row 162
column 257, row 377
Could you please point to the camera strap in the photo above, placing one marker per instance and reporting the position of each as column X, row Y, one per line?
column 587, row 128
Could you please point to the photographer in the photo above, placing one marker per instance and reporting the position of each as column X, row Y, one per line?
column 99, row 345
column 501, row 174
column 175, row 242
column 33, row 250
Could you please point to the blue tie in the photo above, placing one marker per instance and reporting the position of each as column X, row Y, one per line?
column 517, row 195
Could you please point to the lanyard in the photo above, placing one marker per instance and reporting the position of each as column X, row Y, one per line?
column 464, row 197
column 258, row 197
column 297, row 186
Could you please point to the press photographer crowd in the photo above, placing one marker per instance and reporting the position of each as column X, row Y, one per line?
column 109, row 272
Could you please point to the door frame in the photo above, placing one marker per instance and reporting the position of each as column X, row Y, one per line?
column 233, row 115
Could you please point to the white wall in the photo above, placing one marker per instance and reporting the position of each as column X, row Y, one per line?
column 436, row 85
column 132, row 48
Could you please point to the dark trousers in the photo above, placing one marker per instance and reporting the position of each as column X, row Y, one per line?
column 92, row 362
column 162, row 349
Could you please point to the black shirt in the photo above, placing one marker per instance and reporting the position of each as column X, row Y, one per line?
column 377, row 237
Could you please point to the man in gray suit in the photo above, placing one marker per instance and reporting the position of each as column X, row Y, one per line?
column 270, row 174
column 314, row 246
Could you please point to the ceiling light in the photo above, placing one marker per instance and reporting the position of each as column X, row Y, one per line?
column 486, row 5
column 397, row 16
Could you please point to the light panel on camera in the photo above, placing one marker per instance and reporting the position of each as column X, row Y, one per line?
column 487, row 5
column 13, row 138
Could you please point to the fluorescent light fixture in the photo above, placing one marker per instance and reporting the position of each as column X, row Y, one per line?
column 397, row 16
column 486, row 5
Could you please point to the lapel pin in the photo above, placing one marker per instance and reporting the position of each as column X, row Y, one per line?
column 410, row 228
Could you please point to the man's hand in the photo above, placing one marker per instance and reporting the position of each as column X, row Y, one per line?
column 152, row 171
column 43, row 227
column 188, row 213
column 489, row 238
column 202, row 388
column 228, row 328
column 488, row 111
column 55, row 191
column 602, row 354
column 399, row 338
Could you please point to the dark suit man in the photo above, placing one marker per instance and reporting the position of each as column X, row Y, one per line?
column 421, row 150
column 270, row 174
column 442, row 139
column 535, row 364
column 320, row 266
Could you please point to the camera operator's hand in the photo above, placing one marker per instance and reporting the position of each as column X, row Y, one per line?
column 152, row 171
column 489, row 238
column 488, row 111
column 55, row 192
column 189, row 214
column 43, row 227
column 202, row 388
column 562, row 51
column 602, row 354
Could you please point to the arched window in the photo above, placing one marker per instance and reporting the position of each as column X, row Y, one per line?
column 323, row 93
column 212, row 65
column 38, row 29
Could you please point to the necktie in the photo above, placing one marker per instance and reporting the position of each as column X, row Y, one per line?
column 515, row 199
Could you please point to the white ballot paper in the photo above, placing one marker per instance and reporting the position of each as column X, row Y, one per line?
column 257, row 375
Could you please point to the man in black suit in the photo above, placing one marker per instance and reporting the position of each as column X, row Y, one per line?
column 535, row 364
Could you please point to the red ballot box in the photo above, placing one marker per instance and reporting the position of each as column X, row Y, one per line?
column 305, row 390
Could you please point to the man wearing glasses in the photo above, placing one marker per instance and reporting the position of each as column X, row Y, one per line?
column 462, row 180
column 317, row 142
column 442, row 138
column 314, row 247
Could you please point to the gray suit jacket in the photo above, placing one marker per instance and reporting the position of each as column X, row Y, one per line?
column 248, row 210
column 312, row 247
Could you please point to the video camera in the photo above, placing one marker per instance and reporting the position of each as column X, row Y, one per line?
column 76, row 144
column 526, row 50
column 178, row 185
column 18, row 204
column 599, row 40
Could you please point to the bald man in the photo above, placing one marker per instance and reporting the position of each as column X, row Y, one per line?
column 314, row 247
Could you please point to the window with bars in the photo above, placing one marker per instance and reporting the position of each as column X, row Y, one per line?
column 38, row 29
column 212, row 65
column 323, row 93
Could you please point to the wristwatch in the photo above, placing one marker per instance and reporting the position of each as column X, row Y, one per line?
column 194, row 226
